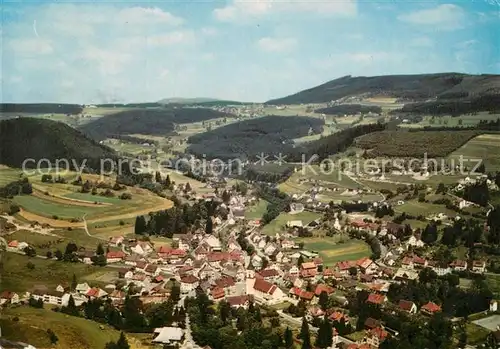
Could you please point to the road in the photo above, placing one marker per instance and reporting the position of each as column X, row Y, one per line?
column 85, row 227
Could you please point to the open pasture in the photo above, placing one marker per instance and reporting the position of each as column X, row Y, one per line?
column 279, row 222
column 485, row 147
column 333, row 250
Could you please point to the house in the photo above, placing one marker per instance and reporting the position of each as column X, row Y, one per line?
column 50, row 297
column 116, row 240
column 414, row 242
column 375, row 336
column 287, row 244
column 294, row 224
column 408, row 306
column 367, row 266
column 320, row 288
column 439, row 268
column 296, row 208
column 133, row 259
column 189, row 283
column 168, row 335
column 115, row 256
column 270, row 249
column 238, row 213
column 430, row 308
column 301, row 294
column 7, row 297
column 217, row 294
column 459, row 265
column 141, row 248
column 95, row 292
column 419, row 262
column 264, row 291
column 270, row 275
column 308, row 269
column 493, row 306
column 86, row 256
column 405, row 274
column 375, row 298
column 338, row 316
column 213, row 243
column 479, row 267
column 82, row 288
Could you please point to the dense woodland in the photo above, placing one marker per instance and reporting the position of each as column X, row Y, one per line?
column 31, row 138
column 270, row 135
column 414, row 144
column 405, row 87
column 160, row 122
column 333, row 144
column 41, row 108
column 490, row 103
column 349, row 109
column 132, row 139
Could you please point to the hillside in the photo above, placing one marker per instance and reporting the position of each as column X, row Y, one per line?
column 405, row 87
column 32, row 138
column 186, row 100
column 270, row 135
column 41, row 108
column 158, row 122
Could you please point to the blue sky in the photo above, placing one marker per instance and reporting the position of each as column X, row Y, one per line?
column 124, row 51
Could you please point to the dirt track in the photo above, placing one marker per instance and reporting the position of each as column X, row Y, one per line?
column 56, row 223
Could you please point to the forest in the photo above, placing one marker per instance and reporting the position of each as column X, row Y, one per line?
column 270, row 135
column 332, row 144
column 349, row 109
column 404, row 87
column 414, row 144
column 32, row 138
column 41, row 108
column 455, row 107
column 158, row 122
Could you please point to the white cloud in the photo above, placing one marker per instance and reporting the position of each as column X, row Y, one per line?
column 422, row 41
column 110, row 62
column 31, row 47
column 277, row 44
column 172, row 38
column 241, row 10
column 209, row 31
column 466, row 44
column 445, row 17
column 147, row 15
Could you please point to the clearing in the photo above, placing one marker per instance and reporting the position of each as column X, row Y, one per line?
column 277, row 224
column 336, row 249
column 256, row 211
column 484, row 147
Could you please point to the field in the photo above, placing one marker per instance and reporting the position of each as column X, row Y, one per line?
column 476, row 334
column 16, row 276
column 9, row 175
column 493, row 281
column 414, row 144
column 449, row 121
column 279, row 222
column 31, row 326
column 331, row 250
column 415, row 208
column 485, row 147
column 256, row 211
column 61, row 205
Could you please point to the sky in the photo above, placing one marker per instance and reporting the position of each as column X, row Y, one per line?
column 124, row 51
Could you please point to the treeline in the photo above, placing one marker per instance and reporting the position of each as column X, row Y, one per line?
column 270, row 135
column 159, row 122
column 332, row 144
column 278, row 202
column 41, row 108
column 135, row 140
column 22, row 186
column 179, row 219
column 130, row 105
column 489, row 103
column 267, row 174
column 41, row 139
column 349, row 109
column 414, row 144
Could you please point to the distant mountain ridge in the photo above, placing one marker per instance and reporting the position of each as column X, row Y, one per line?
column 405, row 87
column 180, row 100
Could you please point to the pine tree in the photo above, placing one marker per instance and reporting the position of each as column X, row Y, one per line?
column 100, row 250
column 300, row 261
column 140, row 225
column 187, row 187
column 168, row 183
column 122, row 342
column 209, row 226
column 304, row 331
column 158, row 177
column 74, row 283
column 323, row 300
column 288, row 338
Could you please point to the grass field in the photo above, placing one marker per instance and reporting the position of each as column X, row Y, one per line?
column 476, row 334
column 449, row 121
column 332, row 250
column 279, row 222
column 415, row 208
column 16, row 276
column 8, row 175
column 256, row 211
column 31, row 326
column 485, row 147
column 493, row 281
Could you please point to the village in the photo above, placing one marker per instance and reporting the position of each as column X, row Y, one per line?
column 239, row 264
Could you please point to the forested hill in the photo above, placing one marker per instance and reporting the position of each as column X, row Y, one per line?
column 33, row 138
column 269, row 135
column 41, row 108
column 406, row 87
column 159, row 122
